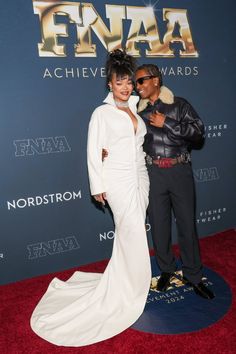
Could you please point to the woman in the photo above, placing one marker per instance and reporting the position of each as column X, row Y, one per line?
column 91, row 307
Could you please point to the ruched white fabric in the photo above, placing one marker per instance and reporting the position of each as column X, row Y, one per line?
column 91, row 307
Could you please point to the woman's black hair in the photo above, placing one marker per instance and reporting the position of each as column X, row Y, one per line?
column 120, row 63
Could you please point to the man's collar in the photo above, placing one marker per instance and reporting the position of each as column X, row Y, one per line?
column 166, row 96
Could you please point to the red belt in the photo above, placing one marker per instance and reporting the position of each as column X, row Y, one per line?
column 167, row 162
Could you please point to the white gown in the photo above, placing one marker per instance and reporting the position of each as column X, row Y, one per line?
column 91, row 307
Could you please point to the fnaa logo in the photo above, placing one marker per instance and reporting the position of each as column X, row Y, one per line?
column 41, row 146
column 51, row 247
column 140, row 23
column 206, row 174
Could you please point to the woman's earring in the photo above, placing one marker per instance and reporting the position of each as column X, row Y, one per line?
column 110, row 88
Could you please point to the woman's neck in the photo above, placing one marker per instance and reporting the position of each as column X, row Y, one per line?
column 121, row 104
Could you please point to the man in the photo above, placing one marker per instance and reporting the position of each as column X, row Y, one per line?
column 173, row 126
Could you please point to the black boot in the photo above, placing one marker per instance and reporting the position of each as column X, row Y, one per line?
column 200, row 289
column 164, row 281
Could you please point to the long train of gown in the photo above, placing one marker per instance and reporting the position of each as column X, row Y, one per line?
column 91, row 307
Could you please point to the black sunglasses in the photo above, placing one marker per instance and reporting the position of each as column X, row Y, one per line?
column 142, row 79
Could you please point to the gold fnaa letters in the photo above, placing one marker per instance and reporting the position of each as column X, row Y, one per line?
column 143, row 28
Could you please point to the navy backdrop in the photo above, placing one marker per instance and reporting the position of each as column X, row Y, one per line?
column 48, row 221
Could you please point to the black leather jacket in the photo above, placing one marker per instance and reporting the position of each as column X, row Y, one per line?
column 182, row 128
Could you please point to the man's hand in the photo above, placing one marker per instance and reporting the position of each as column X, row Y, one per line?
column 157, row 119
column 101, row 198
column 104, row 154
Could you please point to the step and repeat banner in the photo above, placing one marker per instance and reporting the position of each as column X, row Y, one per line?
column 52, row 77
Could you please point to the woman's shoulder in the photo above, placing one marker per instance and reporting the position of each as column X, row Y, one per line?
column 100, row 112
column 102, row 108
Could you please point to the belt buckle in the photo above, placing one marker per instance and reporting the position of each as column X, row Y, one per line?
column 148, row 160
column 165, row 162
column 185, row 157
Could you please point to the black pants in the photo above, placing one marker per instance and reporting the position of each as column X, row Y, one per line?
column 174, row 188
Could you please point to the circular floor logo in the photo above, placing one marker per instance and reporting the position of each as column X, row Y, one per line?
column 179, row 309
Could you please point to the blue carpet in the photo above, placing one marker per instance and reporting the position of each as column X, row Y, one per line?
column 179, row 309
